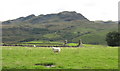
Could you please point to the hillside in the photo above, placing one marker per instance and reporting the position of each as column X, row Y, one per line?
column 56, row 27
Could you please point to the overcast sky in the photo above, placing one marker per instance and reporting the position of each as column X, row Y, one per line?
column 91, row 9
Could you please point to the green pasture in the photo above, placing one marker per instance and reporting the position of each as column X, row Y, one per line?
column 44, row 43
column 86, row 57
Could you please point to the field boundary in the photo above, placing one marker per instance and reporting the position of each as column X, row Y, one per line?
column 38, row 46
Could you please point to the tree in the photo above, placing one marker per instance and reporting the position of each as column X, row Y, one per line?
column 113, row 38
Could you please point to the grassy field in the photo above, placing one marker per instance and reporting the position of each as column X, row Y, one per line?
column 87, row 57
column 43, row 43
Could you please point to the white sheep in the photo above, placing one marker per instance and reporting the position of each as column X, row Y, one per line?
column 34, row 45
column 56, row 49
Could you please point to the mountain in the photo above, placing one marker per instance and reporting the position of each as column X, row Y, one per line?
column 68, row 25
column 62, row 16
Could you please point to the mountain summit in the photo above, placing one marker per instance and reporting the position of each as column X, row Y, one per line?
column 58, row 17
column 69, row 16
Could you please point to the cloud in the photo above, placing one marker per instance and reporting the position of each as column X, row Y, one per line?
column 92, row 9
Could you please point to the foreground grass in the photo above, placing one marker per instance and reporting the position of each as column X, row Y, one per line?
column 88, row 57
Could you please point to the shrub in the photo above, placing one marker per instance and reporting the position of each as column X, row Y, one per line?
column 113, row 38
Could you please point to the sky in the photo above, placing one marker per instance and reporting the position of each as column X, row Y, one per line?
column 91, row 9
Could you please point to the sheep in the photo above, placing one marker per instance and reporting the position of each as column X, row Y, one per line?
column 34, row 45
column 56, row 49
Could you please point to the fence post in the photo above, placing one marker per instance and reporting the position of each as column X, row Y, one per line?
column 65, row 42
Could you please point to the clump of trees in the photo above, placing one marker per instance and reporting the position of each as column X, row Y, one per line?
column 113, row 38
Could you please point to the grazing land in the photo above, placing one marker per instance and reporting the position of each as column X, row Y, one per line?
column 86, row 57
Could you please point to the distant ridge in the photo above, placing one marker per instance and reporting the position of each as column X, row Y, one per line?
column 107, row 22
